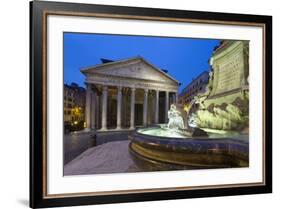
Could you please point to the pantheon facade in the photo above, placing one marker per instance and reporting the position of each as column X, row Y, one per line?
column 126, row 94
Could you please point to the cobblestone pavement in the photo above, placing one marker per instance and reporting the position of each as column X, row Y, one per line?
column 111, row 157
column 77, row 143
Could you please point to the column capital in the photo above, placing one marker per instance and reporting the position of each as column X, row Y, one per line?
column 119, row 87
column 104, row 88
column 146, row 90
column 133, row 89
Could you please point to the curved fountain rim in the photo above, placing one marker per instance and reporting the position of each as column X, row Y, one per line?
column 161, row 137
column 168, row 138
column 183, row 139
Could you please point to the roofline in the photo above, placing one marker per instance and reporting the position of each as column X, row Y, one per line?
column 80, row 88
column 109, row 63
column 220, row 47
column 84, row 70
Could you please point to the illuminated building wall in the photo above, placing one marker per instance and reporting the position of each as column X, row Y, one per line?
column 74, row 103
column 197, row 85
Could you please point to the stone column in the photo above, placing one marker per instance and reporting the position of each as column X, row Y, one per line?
column 119, row 106
column 97, row 110
column 156, row 117
column 176, row 97
column 93, row 110
column 166, row 106
column 145, row 107
column 132, row 122
column 104, row 108
column 88, row 107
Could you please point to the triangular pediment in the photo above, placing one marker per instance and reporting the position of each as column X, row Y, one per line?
column 136, row 68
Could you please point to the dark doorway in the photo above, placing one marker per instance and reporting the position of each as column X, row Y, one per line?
column 162, row 107
column 111, row 113
column 138, row 114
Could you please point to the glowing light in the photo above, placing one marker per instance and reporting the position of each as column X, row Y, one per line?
column 187, row 107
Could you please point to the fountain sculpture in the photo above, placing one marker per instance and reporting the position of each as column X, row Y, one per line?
column 174, row 146
column 211, row 133
column 175, row 118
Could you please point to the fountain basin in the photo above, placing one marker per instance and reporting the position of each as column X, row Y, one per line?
column 155, row 148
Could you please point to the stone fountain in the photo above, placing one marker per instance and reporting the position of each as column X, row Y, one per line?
column 215, row 134
column 172, row 146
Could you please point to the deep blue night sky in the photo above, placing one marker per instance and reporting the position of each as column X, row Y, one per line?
column 184, row 58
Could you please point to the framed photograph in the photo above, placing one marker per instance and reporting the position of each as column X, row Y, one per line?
column 139, row 104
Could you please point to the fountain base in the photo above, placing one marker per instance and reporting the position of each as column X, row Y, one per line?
column 160, row 152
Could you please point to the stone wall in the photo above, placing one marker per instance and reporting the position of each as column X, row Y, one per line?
column 226, row 105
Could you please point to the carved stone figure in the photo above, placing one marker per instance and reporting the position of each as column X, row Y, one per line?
column 229, row 119
column 175, row 118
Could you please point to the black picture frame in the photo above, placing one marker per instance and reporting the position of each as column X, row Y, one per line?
column 38, row 12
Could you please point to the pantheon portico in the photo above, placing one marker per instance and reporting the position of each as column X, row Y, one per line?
column 127, row 93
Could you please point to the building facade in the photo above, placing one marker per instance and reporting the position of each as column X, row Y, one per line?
column 74, row 103
column 127, row 93
column 197, row 85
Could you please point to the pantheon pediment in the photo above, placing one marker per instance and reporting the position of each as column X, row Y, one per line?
column 134, row 68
